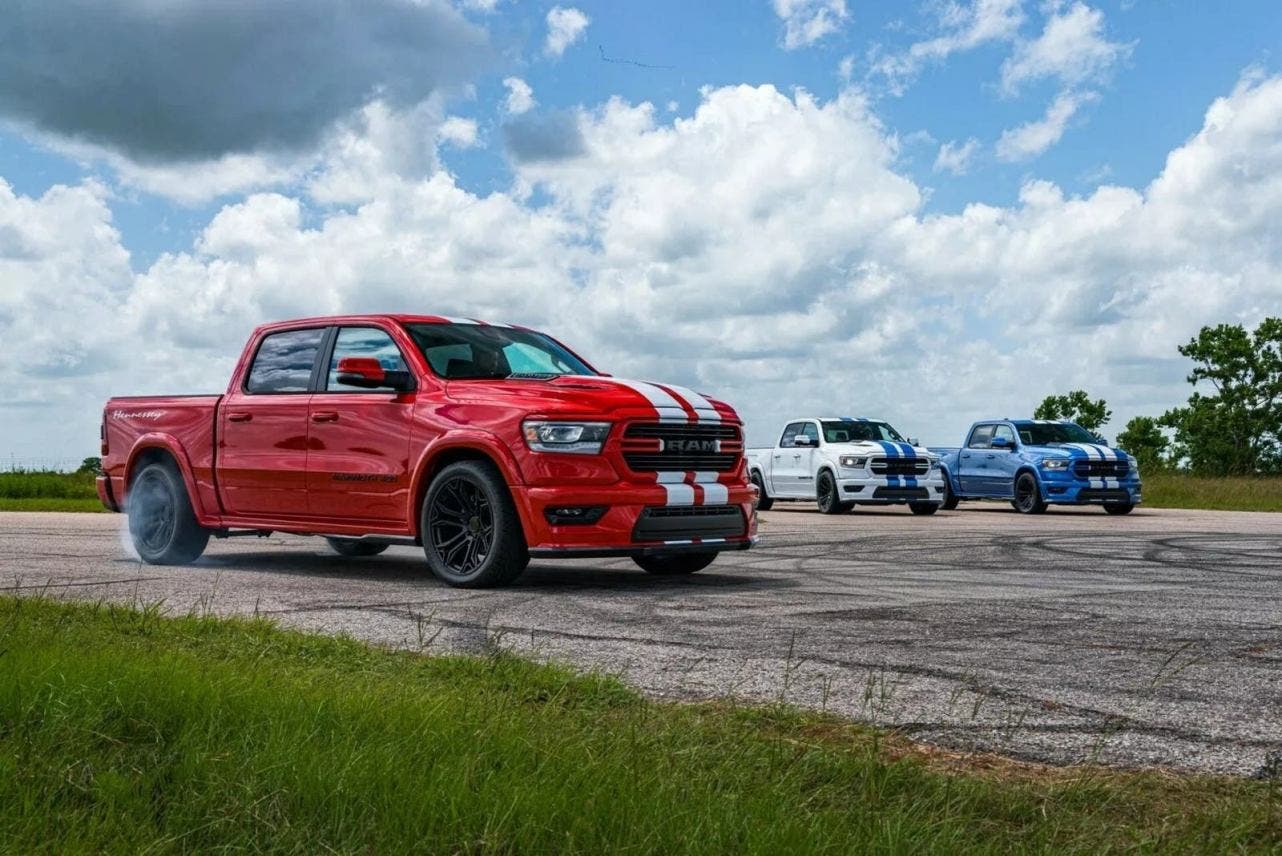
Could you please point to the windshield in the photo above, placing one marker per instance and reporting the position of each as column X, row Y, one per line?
column 1050, row 433
column 858, row 431
column 483, row 352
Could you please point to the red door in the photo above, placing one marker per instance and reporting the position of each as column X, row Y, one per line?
column 359, row 439
column 262, row 430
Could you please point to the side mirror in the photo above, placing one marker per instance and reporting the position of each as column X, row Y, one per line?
column 803, row 440
column 368, row 373
column 913, row 441
column 1000, row 443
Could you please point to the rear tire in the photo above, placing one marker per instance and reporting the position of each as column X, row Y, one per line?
column 472, row 536
column 1028, row 496
column 162, row 523
column 674, row 564
column 764, row 502
column 826, row 495
column 354, row 548
column 950, row 499
column 924, row 508
column 1119, row 508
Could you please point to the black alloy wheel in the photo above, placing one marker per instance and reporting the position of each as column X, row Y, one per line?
column 674, row 564
column 826, row 493
column 354, row 548
column 1028, row 496
column 471, row 533
column 162, row 523
column 764, row 502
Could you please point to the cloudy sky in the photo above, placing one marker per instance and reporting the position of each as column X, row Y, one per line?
column 931, row 212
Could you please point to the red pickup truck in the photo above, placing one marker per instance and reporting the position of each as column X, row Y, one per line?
column 484, row 443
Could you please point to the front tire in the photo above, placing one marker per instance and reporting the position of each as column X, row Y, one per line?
column 1119, row 508
column 826, row 495
column 674, row 564
column 924, row 508
column 162, row 524
column 471, row 534
column 950, row 499
column 764, row 502
column 353, row 548
column 1028, row 496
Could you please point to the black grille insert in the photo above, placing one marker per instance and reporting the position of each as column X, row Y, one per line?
column 899, row 466
column 1101, row 469
column 684, row 522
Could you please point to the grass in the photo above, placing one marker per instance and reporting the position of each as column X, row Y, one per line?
column 1237, row 493
column 122, row 730
column 32, row 490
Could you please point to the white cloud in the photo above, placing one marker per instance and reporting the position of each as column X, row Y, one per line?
column 962, row 28
column 566, row 26
column 956, row 157
column 1072, row 49
column 458, row 132
column 735, row 249
column 520, row 97
column 807, row 21
column 1033, row 138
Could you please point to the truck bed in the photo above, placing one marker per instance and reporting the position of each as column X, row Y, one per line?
column 190, row 420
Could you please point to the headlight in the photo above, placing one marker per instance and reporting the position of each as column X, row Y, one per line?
column 1055, row 464
column 576, row 438
column 850, row 462
column 934, row 463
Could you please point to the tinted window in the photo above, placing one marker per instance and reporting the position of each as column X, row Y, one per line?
column 1049, row 433
column 980, row 437
column 790, row 433
column 284, row 362
column 367, row 342
column 858, row 431
column 1005, row 431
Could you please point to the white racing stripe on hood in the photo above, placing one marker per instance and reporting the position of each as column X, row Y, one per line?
column 702, row 407
column 667, row 407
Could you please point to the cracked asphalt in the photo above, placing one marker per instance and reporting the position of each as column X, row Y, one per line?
column 1154, row 639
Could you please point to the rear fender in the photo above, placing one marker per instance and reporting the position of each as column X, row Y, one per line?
column 170, row 444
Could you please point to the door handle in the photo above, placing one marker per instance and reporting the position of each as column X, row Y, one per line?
column 325, row 416
column 990, row 457
column 240, row 417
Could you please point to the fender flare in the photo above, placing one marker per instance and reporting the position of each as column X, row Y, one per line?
column 1026, row 467
column 953, row 486
column 482, row 442
column 170, row 444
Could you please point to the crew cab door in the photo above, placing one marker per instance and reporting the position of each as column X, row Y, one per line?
column 358, row 466
column 262, row 428
column 1003, row 463
column 972, row 461
column 792, row 469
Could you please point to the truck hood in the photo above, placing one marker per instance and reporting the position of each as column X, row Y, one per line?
column 880, row 447
column 594, row 395
column 1094, row 451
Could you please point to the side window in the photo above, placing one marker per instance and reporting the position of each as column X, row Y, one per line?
column 1005, row 431
column 789, row 434
column 809, row 430
column 284, row 362
column 369, row 342
column 980, row 437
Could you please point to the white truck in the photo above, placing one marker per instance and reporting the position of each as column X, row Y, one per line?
column 841, row 462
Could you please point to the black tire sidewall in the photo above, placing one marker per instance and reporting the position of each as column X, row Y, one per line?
column 188, row 538
column 1036, row 505
column 764, row 502
column 355, row 549
column 835, row 507
column 674, row 564
column 508, row 554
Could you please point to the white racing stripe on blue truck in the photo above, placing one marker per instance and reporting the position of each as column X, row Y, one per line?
column 1096, row 452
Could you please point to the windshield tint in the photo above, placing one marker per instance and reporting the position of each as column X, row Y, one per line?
column 857, row 431
column 482, row 352
column 1049, row 433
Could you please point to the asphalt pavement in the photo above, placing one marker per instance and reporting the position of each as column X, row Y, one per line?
column 1152, row 639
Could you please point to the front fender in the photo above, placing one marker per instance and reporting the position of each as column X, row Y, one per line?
column 481, row 442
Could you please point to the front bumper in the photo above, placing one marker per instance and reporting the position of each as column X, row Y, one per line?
column 625, row 527
column 1078, row 491
column 892, row 489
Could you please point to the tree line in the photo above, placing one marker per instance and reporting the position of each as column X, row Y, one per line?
column 1232, row 423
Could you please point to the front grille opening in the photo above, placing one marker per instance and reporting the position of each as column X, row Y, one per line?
column 1102, row 469
column 677, row 523
column 899, row 466
column 654, row 447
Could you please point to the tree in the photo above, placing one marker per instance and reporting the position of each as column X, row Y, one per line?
column 1075, row 407
column 91, row 465
column 1144, row 439
column 1237, row 430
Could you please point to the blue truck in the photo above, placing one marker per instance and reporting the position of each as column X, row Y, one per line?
column 1035, row 463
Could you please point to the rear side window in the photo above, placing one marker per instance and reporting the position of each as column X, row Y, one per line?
column 980, row 437
column 284, row 362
